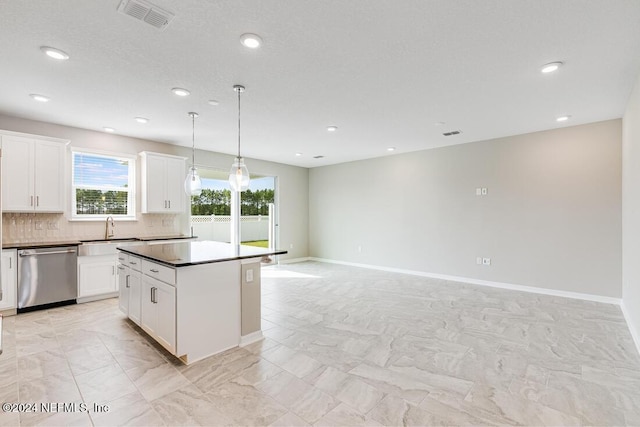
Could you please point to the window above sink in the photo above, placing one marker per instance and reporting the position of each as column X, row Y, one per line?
column 102, row 185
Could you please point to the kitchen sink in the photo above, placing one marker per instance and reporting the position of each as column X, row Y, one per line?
column 105, row 247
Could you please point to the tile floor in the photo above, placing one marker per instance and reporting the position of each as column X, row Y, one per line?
column 344, row 346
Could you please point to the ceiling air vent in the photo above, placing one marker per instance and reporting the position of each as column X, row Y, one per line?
column 455, row 132
column 147, row 12
column 318, row 157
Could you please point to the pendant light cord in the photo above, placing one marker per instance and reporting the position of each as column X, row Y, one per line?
column 239, row 123
column 193, row 140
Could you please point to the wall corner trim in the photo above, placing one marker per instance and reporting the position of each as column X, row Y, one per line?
column 634, row 332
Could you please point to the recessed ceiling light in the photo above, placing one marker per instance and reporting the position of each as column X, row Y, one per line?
column 39, row 98
column 142, row 120
column 298, row 154
column 551, row 67
column 252, row 41
column 391, row 149
column 332, row 128
column 439, row 123
column 54, row 53
column 180, row 91
column 110, row 130
column 562, row 118
column 213, row 102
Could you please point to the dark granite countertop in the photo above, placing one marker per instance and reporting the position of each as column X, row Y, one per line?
column 27, row 245
column 40, row 244
column 181, row 254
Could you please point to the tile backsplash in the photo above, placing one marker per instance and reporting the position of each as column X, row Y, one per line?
column 46, row 227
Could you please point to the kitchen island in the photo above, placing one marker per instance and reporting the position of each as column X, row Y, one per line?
column 195, row 298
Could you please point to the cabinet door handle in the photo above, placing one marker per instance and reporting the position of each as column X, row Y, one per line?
column 31, row 203
column 10, row 263
column 113, row 270
column 37, row 200
column 169, row 204
column 165, row 204
column 153, row 295
column 154, row 270
column 127, row 281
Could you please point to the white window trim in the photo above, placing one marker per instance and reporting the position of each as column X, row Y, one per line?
column 132, row 216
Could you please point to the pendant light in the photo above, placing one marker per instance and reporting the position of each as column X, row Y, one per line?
column 192, row 183
column 239, row 174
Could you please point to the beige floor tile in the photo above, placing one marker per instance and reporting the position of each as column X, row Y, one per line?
column 157, row 381
column 129, row 410
column 245, row 405
column 104, row 384
column 189, row 406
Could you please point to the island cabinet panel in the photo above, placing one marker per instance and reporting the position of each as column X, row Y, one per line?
column 135, row 296
column 124, row 273
column 208, row 309
column 158, row 317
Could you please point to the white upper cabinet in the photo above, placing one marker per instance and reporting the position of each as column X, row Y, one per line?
column 32, row 174
column 162, row 183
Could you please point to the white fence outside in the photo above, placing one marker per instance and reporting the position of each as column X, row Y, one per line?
column 218, row 227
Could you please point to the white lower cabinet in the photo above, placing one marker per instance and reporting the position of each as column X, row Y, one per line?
column 135, row 296
column 9, row 280
column 159, row 311
column 97, row 276
column 124, row 273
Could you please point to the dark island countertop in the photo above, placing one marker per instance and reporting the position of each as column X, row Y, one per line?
column 183, row 254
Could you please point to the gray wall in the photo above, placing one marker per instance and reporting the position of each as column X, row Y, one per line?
column 551, row 219
column 631, row 212
column 292, row 182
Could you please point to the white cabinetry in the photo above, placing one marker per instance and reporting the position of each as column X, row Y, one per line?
column 124, row 273
column 159, row 311
column 135, row 289
column 162, row 183
column 32, row 174
column 97, row 276
column 9, row 280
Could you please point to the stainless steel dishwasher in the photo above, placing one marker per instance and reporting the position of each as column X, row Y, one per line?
column 47, row 276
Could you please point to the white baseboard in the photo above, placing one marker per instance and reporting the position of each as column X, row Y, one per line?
column 522, row 288
column 632, row 329
column 294, row 260
column 250, row 338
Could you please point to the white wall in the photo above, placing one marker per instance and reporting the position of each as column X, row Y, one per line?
column 631, row 212
column 292, row 182
column 551, row 219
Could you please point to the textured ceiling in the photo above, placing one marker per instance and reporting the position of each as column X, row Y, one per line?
column 383, row 71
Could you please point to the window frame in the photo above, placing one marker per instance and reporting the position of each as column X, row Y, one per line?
column 131, row 214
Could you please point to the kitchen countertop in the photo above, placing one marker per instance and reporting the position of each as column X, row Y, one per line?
column 28, row 245
column 202, row 252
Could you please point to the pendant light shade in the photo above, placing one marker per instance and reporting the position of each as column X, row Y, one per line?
column 192, row 183
column 239, row 174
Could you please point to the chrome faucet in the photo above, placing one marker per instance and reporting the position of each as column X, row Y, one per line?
column 109, row 229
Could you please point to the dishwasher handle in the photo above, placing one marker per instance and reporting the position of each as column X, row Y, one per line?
column 28, row 253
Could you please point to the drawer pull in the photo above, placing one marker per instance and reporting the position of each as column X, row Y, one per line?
column 154, row 271
column 133, row 263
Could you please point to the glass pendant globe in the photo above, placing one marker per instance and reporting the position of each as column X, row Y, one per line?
column 192, row 183
column 239, row 175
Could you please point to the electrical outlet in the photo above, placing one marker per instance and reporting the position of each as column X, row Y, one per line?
column 52, row 225
column 484, row 191
column 167, row 222
column 486, row 261
column 38, row 225
column 478, row 191
column 479, row 260
column 291, row 246
column 359, row 249
column 249, row 278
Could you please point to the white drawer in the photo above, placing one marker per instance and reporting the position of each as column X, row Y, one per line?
column 160, row 272
column 123, row 258
column 135, row 263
